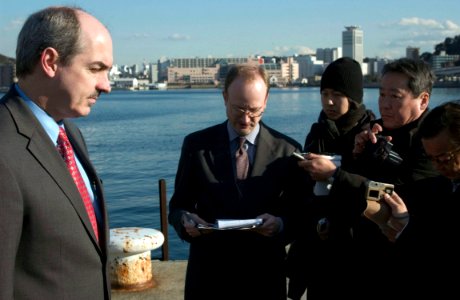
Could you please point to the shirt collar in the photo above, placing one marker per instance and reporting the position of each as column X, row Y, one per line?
column 48, row 123
column 251, row 137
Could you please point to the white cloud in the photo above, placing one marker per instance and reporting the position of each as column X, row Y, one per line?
column 142, row 35
column 452, row 26
column 416, row 32
column 429, row 23
column 14, row 25
column 178, row 37
column 428, row 27
column 288, row 50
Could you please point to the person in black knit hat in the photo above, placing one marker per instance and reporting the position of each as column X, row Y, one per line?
column 317, row 260
column 344, row 75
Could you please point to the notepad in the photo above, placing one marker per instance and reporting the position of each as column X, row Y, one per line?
column 227, row 224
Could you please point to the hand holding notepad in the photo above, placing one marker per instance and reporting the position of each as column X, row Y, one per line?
column 227, row 224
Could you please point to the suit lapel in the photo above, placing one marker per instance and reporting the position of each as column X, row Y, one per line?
column 42, row 148
column 220, row 155
column 266, row 145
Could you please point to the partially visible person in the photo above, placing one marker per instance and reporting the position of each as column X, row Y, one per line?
column 314, row 262
column 238, row 264
column 50, row 249
column 428, row 246
column 405, row 90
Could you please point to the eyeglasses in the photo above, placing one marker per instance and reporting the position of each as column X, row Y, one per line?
column 445, row 157
column 252, row 113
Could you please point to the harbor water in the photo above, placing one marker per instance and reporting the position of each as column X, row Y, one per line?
column 135, row 137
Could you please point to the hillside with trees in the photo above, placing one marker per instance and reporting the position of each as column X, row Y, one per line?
column 450, row 46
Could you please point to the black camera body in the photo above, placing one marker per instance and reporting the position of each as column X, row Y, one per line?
column 382, row 151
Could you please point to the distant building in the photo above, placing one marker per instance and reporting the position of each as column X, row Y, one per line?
column 412, row 52
column 193, row 75
column 289, row 70
column 274, row 74
column 153, row 72
column 353, row 43
column 7, row 74
column 126, row 83
column 201, row 70
column 207, row 62
column 443, row 60
column 309, row 67
column 328, row 55
column 375, row 66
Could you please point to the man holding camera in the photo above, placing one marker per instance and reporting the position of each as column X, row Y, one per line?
column 391, row 152
column 429, row 245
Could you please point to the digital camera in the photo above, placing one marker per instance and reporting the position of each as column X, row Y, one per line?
column 375, row 190
column 382, row 152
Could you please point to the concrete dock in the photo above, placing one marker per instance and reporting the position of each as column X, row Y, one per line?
column 169, row 277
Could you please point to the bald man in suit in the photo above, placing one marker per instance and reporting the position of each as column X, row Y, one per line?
column 50, row 249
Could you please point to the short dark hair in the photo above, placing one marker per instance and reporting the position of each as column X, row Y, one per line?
column 421, row 76
column 247, row 71
column 445, row 116
column 57, row 27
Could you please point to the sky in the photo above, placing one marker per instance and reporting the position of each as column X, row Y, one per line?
column 145, row 31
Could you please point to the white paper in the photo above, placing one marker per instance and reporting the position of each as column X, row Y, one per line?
column 225, row 224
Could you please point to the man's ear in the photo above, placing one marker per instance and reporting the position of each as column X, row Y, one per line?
column 48, row 61
column 425, row 96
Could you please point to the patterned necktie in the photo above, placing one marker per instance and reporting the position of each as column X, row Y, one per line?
column 242, row 160
column 65, row 149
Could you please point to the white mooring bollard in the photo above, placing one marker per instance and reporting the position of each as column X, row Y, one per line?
column 130, row 260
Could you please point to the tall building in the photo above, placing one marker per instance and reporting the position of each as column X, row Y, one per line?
column 413, row 52
column 352, row 43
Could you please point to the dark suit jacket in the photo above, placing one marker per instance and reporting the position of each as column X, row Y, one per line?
column 429, row 247
column 238, row 264
column 48, row 248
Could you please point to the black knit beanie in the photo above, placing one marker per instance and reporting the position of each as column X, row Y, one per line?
column 344, row 75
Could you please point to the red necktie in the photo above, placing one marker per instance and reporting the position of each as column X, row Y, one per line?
column 65, row 149
column 242, row 160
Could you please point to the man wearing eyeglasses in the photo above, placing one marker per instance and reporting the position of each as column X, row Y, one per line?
column 238, row 263
column 429, row 246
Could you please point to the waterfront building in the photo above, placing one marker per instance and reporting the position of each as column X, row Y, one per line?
column 289, row 70
column 193, row 75
column 374, row 68
column 328, row 55
column 274, row 74
column 353, row 43
column 310, row 67
column 443, row 60
column 207, row 62
column 126, row 83
column 153, row 72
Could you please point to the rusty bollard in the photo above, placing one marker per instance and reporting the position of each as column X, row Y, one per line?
column 130, row 259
